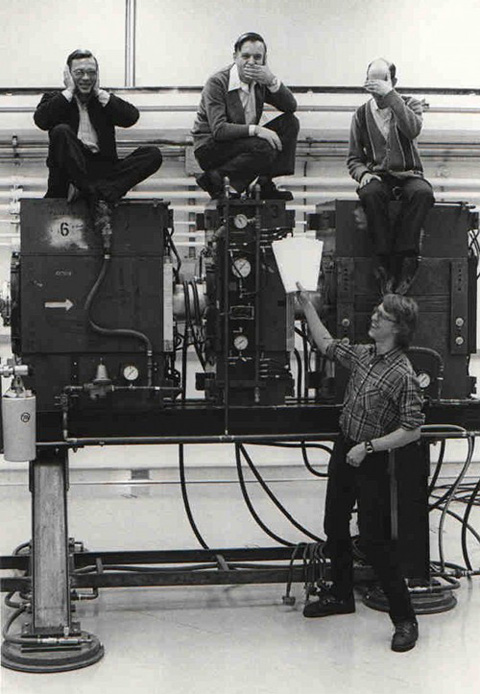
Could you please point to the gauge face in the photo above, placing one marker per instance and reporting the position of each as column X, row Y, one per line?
column 240, row 342
column 130, row 372
column 241, row 267
column 424, row 379
column 240, row 221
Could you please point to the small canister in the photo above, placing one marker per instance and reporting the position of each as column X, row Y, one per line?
column 19, row 424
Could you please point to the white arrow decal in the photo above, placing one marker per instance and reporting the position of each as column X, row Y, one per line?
column 67, row 304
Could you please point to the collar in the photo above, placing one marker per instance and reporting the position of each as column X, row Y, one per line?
column 389, row 356
column 376, row 108
column 234, row 81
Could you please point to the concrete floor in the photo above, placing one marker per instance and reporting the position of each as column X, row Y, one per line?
column 234, row 640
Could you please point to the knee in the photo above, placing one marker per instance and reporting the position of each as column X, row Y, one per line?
column 373, row 192
column 264, row 150
column 292, row 122
column 153, row 155
column 424, row 194
column 61, row 131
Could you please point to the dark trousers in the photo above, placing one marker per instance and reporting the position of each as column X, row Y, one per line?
column 369, row 486
column 69, row 161
column 404, row 236
column 244, row 159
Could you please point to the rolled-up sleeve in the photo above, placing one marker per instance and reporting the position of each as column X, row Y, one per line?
column 347, row 355
column 411, row 403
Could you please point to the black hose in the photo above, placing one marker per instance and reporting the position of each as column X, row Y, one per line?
column 299, row 373
column 186, row 502
column 465, row 524
column 257, row 519
column 127, row 332
column 272, row 496
column 307, row 462
column 436, row 473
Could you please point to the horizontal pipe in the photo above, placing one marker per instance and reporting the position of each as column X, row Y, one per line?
column 296, row 89
column 301, row 108
column 292, row 181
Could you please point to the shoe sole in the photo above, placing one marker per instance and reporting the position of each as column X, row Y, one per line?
column 327, row 614
column 404, row 649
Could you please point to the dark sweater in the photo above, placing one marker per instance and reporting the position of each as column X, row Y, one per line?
column 398, row 155
column 55, row 109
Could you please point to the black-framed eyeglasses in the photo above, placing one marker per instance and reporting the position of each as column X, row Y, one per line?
column 379, row 312
column 79, row 73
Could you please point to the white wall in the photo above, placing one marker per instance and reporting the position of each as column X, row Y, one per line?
column 180, row 42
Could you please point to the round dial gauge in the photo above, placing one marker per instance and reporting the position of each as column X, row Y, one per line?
column 130, row 372
column 241, row 267
column 240, row 221
column 240, row 342
column 424, row 379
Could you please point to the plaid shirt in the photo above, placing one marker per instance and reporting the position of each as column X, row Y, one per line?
column 382, row 393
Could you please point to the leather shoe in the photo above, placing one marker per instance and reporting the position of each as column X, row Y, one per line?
column 328, row 604
column 405, row 636
column 271, row 192
column 211, row 182
column 408, row 270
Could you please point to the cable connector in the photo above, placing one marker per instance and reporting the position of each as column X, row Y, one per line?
column 288, row 600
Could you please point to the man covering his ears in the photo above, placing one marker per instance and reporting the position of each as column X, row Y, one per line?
column 82, row 154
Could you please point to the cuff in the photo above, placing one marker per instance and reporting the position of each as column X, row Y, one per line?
column 274, row 86
column 67, row 94
column 103, row 97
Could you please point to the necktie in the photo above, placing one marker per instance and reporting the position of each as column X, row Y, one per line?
column 250, row 106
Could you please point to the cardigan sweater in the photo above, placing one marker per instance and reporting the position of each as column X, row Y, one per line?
column 397, row 155
column 221, row 116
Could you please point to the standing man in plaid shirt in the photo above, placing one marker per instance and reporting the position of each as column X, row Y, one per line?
column 382, row 410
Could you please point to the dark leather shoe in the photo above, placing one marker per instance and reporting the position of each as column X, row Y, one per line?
column 384, row 278
column 211, row 182
column 405, row 636
column 271, row 192
column 408, row 271
column 328, row 604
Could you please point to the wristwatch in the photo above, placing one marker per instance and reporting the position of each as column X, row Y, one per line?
column 369, row 447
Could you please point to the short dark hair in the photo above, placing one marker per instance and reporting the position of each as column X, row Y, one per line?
column 249, row 36
column 391, row 68
column 405, row 311
column 78, row 54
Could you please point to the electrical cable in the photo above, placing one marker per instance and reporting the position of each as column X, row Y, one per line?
column 466, row 526
column 471, row 446
column 186, row 502
column 257, row 519
column 298, row 359
column 126, row 332
column 273, row 498
column 307, row 462
column 438, row 466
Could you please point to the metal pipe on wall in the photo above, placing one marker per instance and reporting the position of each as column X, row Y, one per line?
column 130, row 34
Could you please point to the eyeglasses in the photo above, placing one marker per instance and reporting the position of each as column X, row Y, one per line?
column 88, row 73
column 378, row 312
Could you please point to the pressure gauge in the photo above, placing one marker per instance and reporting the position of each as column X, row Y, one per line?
column 240, row 221
column 241, row 267
column 130, row 372
column 240, row 342
column 424, row 380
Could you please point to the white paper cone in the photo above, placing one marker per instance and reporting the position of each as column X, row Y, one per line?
column 298, row 260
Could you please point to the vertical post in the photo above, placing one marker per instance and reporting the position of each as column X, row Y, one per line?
column 50, row 572
column 130, row 34
column 50, row 642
